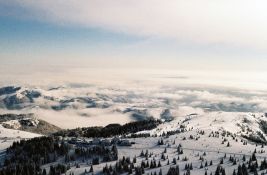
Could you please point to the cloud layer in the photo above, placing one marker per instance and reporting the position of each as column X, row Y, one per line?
column 99, row 99
column 238, row 23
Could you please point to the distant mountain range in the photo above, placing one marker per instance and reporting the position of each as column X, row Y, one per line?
column 59, row 99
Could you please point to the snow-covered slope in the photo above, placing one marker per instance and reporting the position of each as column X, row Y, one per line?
column 242, row 124
column 8, row 136
column 205, row 138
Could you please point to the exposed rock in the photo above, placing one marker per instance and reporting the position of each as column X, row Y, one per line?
column 166, row 115
column 8, row 90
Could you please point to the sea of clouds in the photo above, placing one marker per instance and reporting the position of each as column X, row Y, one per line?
column 87, row 97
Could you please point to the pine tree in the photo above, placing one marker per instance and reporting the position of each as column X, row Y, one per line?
column 221, row 161
column 234, row 173
column 163, row 157
column 91, row 169
column 223, row 171
column 159, row 164
column 191, row 167
column 244, row 158
column 218, row 170
column 244, row 169
column 142, row 153
column 211, row 163
column 134, row 159
column 253, row 158
column 201, row 166
column 234, row 162
column 160, row 172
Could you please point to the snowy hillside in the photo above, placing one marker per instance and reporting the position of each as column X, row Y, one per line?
column 235, row 123
column 216, row 131
column 207, row 141
column 196, row 143
column 8, row 136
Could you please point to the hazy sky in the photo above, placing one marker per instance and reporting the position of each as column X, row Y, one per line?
column 178, row 34
column 193, row 53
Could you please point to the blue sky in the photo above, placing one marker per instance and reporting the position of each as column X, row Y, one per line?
column 174, row 34
column 30, row 37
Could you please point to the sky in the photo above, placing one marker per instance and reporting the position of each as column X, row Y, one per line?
column 149, row 34
column 193, row 53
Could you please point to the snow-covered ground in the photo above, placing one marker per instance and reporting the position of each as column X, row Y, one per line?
column 197, row 140
column 224, row 121
column 210, row 148
column 8, row 136
column 211, row 136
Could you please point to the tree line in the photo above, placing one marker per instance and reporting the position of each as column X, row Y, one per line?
column 110, row 130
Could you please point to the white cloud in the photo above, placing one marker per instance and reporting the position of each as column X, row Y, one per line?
column 239, row 23
column 144, row 97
